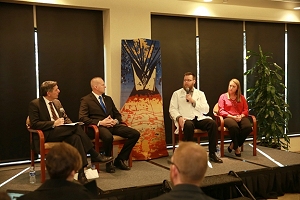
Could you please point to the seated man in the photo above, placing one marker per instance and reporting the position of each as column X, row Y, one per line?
column 99, row 109
column 187, row 170
column 62, row 162
column 187, row 108
column 47, row 114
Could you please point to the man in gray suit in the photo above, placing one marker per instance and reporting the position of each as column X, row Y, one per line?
column 47, row 114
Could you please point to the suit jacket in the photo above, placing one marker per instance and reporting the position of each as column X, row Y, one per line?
column 184, row 191
column 39, row 115
column 91, row 112
column 59, row 189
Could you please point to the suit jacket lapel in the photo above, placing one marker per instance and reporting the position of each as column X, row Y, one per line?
column 57, row 106
column 44, row 113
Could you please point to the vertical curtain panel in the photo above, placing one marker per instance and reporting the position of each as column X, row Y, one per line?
column 221, row 56
column 70, row 51
column 177, row 37
column 17, row 78
column 293, row 85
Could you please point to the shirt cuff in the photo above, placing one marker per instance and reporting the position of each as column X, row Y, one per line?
column 177, row 118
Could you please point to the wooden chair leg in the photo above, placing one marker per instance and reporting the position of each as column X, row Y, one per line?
column 130, row 160
column 173, row 141
column 222, row 145
column 43, row 168
column 254, row 145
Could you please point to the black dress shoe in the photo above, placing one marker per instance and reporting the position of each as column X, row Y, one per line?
column 102, row 159
column 229, row 150
column 110, row 168
column 238, row 154
column 82, row 178
column 120, row 164
column 214, row 158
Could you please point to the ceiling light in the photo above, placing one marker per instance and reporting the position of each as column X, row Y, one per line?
column 207, row 0
column 297, row 8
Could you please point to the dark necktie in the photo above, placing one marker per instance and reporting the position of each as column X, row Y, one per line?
column 52, row 111
column 102, row 104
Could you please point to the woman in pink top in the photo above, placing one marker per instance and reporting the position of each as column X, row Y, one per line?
column 234, row 108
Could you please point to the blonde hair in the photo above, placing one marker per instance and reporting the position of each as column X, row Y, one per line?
column 191, row 160
column 238, row 91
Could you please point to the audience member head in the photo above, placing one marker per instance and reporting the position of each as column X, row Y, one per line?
column 47, row 86
column 98, row 85
column 189, row 164
column 189, row 80
column 234, row 85
column 63, row 161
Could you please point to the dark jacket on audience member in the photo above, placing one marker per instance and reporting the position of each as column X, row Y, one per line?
column 59, row 189
column 184, row 191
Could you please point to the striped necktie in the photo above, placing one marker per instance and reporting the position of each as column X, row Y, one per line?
column 52, row 111
column 102, row 103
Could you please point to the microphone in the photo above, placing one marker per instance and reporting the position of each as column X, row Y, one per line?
column 187, row 90
column 62, row 110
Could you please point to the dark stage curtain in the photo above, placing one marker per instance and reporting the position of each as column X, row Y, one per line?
column 70, row 51
column 270, row 36
column 272, row 182
column 17, row 78
column 177, row 36
column 221, row 56
column 293, row 31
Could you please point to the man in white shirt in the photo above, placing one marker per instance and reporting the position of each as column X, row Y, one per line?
column 187, row 108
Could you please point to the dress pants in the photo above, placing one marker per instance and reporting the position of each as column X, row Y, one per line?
column 238, row 131
column 208, row 125
column 106, row 135
column 75, row 136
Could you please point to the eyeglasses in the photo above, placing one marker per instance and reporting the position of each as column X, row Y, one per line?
column 171, row 163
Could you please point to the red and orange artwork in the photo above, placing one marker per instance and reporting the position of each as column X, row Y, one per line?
column 141, row 97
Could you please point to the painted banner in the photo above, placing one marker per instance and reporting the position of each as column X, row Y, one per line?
column 141, row 96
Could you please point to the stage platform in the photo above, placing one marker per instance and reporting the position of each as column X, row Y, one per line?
column 269, row 174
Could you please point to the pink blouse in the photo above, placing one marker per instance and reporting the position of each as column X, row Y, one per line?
column 232, row 107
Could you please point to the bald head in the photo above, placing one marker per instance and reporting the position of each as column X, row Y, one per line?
column 191, row 161
column 98, row 85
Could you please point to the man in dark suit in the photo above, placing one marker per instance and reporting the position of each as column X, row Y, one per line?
column 62, row 162
column 187, row 169
column 47, row 114
column 99, row 109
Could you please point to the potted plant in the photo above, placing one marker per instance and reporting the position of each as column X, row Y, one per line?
column 267, row 100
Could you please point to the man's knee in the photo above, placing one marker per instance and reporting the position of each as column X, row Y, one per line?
column 107, row 138
column 188, row 124
column 133, row 133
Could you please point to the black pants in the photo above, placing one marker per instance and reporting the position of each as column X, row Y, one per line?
column 75, row 136
column 106, row 135
column 238, row 131
column 208, row 125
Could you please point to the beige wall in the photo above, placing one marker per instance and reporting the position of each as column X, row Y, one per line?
column 129, row 19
